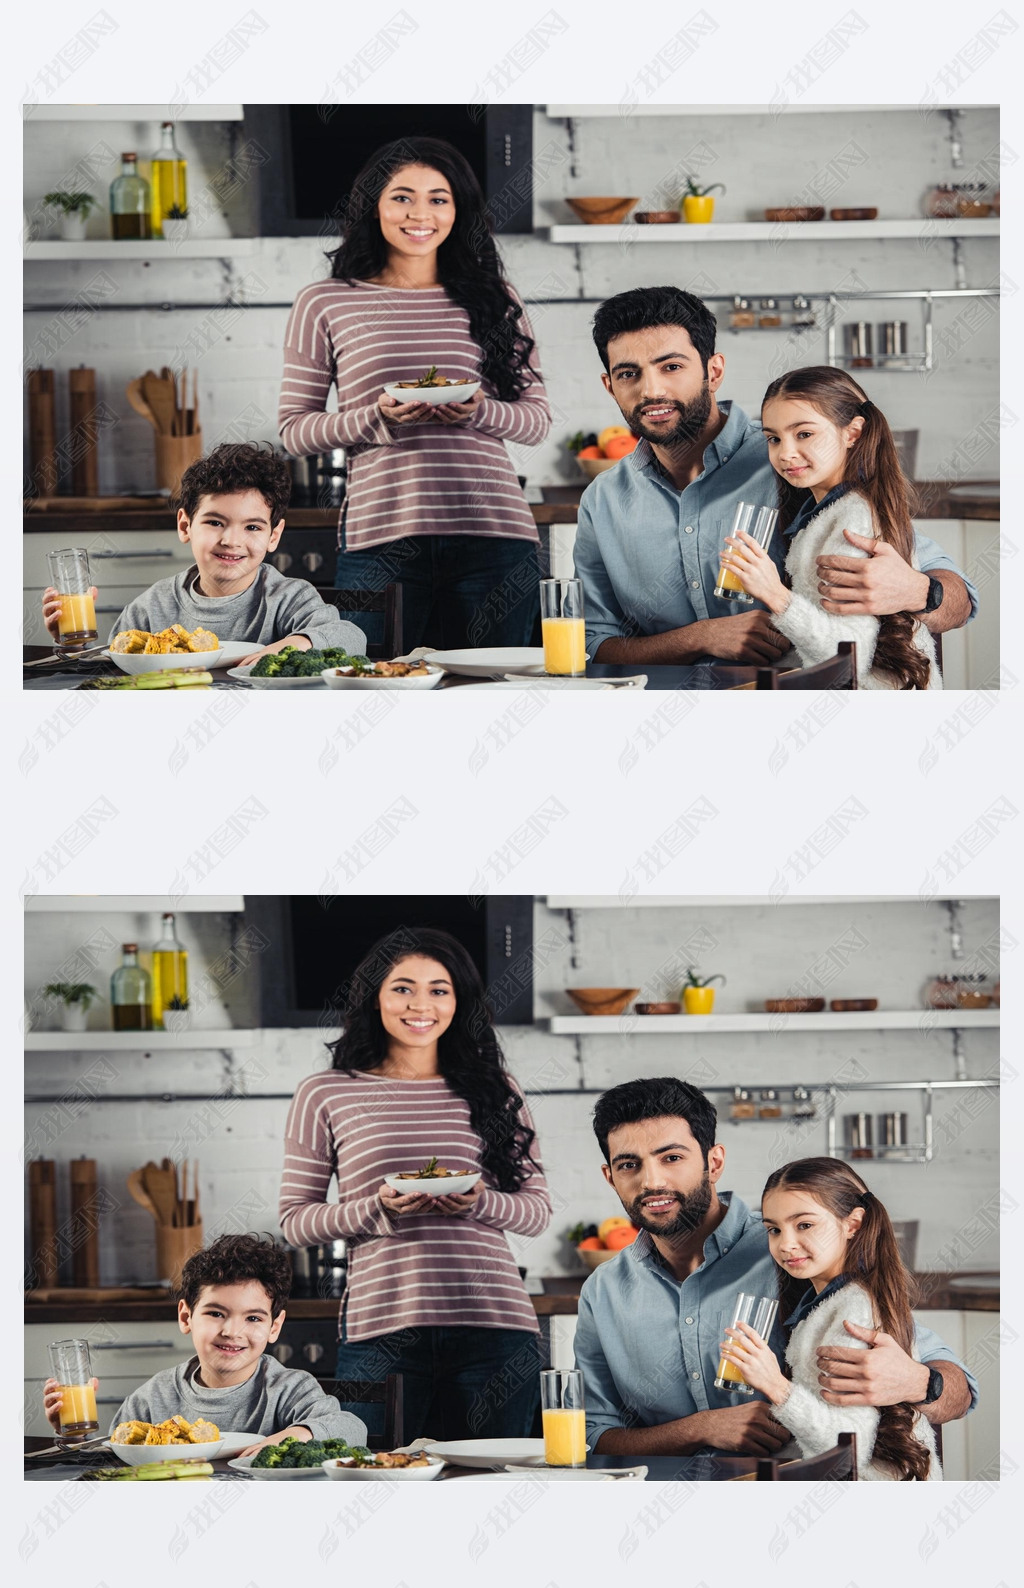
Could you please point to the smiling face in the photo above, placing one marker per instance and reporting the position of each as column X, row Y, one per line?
column 805, row 1238
column 231, row 1326
column 230, row 535
column 416, row 211
column 804, row 447
column 658, row 1170
column 659, row 383
column 416, row 1003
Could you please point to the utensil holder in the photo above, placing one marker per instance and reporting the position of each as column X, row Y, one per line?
column 173, row 456
column 173, row 1249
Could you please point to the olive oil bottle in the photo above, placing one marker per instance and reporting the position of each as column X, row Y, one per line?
column 129, row 201
column 168, row 180
column 170, row 973
column 130, row 993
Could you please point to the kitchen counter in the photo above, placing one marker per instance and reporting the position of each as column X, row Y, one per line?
column 940, row 1292
column 933, row 499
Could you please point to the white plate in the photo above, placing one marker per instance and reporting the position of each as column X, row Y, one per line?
column 242, row 675
column 451, row 1185
column 434, row 394
column 189, row 660
column 334, row 678
column 486, row 663
column 145, row 1455
column 231, row 1444
column 489, row 1453
column 334, row 1469
column 244, row 1464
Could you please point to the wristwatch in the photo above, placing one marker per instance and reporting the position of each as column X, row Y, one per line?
column 935, row 595
column 935, row 1388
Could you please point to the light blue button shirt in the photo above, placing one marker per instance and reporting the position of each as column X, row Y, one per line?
column 648, row 1343
column 648, row 553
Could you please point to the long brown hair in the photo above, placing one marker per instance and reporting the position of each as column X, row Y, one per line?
column 873, row 469
column 873, row 1261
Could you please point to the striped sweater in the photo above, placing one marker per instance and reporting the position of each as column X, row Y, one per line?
column 423, row 479
column 422, row 1268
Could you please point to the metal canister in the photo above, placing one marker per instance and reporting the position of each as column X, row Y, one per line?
column 858, row 339
column 892, row 337
column 893, row 1130
column 859, row 1134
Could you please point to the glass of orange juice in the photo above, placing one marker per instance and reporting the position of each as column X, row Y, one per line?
column 759, row 524
column 69, row 575
column 562, row 629
column 71, row 1367
column 563, row 1417
column 759, row 1313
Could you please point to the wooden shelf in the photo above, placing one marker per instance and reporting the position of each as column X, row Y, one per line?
column 156, row 250
column 923, row 1020
column 136, row 1041
column 154, row 113
column 771, row 231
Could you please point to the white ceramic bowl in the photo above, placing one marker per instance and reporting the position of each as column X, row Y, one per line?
column 145, row 1455
column 337, row 1469
column 337, row 678
column 446, row 1186
column 434, row 394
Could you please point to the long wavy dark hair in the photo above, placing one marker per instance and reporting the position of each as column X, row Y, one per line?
column 873, row 469
column 873, row 1261
column 469, row 1057
column 468, row 266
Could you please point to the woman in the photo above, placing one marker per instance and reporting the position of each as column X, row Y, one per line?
column 433, row 501
column 433, row 1290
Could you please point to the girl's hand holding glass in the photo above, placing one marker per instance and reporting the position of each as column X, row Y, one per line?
column 756, row 1361
column 756, row 571
column 397, row 413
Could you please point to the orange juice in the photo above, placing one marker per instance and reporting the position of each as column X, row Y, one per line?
column 730, row 1372
column 78, row 1410
column 565, row 645
column 565, row 1437
column 728, row 580
column 77, row 621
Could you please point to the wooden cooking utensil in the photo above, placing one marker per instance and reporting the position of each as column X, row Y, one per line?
column 195, row 403
column 159, row 394
column 137, row 1189
column 136, row 397
column 160, row 1185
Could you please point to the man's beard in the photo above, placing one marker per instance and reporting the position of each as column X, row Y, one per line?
column 692, row 1210
column 693, row 416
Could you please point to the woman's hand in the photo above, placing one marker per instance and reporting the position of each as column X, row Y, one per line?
column 52, row 1399
column 397, row 413
column 397, row 1203
column 51, row 609
column 756, row 572
column 758, row 1364
column 459, row 413
column 460, row 1204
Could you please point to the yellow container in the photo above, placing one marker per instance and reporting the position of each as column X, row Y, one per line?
column 698, row 210
column 565, row 1437
column 698, row 1000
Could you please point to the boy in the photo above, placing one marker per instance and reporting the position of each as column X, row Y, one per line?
column 231, row 511
column 232, row 1304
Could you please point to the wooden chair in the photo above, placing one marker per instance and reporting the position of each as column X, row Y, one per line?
column 839, row 672
column 838, row 1463
column 388, row 601
column 386, row 1392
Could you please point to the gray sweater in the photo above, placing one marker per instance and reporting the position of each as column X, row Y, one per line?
column 272, row 607
column 274, row 1398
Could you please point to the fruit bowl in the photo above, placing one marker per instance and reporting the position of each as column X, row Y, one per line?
column 592, row 1258
column 592, row 467
column 658, row 217
column 601, row 211
column 602, row 1000
column 658, row 1009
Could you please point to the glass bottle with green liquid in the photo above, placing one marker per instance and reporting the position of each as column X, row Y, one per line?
column 130, row 993
column 130, row 202
column 168, row 179
column 170, row 973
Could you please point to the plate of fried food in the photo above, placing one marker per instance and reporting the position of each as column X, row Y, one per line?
column 139, row 651
column 387, row 1464
column 363, row 674
column 432, row 387
column 435, row 1178
column 138, row 1443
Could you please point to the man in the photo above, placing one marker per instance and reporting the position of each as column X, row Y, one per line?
column 652, row 1320
column 650, row 531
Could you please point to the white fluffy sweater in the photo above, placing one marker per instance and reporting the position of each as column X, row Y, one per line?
column 814, row 1424
column 816, row 633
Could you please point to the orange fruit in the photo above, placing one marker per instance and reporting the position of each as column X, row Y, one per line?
column 616, row 1239
column 611, row 1224
column 620, row 446
column 591, row 1244
column 590, row 452
column 609, row 433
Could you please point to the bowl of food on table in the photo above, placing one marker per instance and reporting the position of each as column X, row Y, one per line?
column 432, row 387
column 596, row 451
column 598, row 1243
column 435, row 1178
column 359, row 673
column 384, row 1464
column 138, row 651
column 138, row 1443
column 294, row 1458
column 292, row 668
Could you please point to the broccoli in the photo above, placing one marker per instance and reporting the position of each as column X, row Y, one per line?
column 274, row 1455
column 272, row 665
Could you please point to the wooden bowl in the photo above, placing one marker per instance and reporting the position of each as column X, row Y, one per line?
column 602, row 1000
column 853, row 215
column 853, row 1005
column 592, row 1258
column 602, row 211
column 658, row 217
column 797, row 212
column 794, row 1006
column 659, row 1009
column 592, row 467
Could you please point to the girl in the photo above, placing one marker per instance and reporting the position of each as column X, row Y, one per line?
column 826, row 437
column 826, row 1228
column 433, row 500
column 433, row 1289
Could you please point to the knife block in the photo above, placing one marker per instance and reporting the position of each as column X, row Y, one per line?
column 173, row 456
column 174, row 1247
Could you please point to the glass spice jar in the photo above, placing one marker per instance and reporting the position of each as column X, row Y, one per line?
column 742, row 1105
column 940, row 202
column 942, row 992
column 770, row 1107
column 972, row 992
column 741, row 316
column 971, row 203
column 770, row 315
column 803, row 1108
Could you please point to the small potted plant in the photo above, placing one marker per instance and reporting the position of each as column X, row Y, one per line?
column 75, row 209
column 698, row 993
column 698, row 205
column 175, row 224
column 76, row 997
column 176, row 1014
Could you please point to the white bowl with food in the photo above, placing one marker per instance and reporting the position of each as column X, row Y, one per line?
column 421, row 1468
column 438, row 391
column 225, row 655
column 384, row 675
column 447, row 1185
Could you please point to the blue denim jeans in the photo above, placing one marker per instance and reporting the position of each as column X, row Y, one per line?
column 457, row 590
column 458, row 1383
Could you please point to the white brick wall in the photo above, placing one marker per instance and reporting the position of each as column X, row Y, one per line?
column 763, row 951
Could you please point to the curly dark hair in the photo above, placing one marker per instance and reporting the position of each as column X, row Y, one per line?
column 643, row 307
column 469, row 1057
column 660, row 1097
column 233, row 1259
column 237, row 466
column 468, row 266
